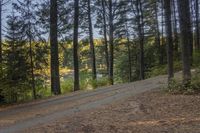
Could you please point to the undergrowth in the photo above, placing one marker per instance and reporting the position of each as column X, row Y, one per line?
column 193, row 87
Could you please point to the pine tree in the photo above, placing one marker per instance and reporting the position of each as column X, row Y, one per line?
column 186, row 37
column 32, row 37
column 16, row 80
column 75, row 46
column 87, row 26
column 2, row 4
column 167, row 8
column 55, row 77
column 102, row 26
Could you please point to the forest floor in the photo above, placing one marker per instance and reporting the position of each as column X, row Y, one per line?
column 138, row 107
column 149, row 112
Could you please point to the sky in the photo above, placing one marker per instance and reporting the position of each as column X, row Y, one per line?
column 8, row 8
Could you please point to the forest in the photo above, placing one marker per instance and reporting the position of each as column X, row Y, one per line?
column 53, row 47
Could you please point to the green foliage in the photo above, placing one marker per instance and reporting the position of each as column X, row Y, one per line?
column 162, row 69
column 158, row 70
column 196, row 59
column 176, row 87
column 99, row 83
column 122, row 69
column 67, row 86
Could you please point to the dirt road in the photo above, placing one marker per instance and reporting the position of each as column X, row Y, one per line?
column 21, row 117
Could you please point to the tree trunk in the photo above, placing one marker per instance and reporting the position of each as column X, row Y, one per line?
column 186, row 34
column 192, row 38
column 75, row 46
column 129, row 53
column 158, row 34
column 55, row 78
column 141, row 37
column 176, row 39
column 93, row 58
column 162, row 35
column 197, row 25
column 111, row 39
column 32, row 69
column 31, row 57
column 105, row 36
column 0, row 33
column 167, row 8
column 129, row 59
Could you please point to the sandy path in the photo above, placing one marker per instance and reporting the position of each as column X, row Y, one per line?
column 21, row 117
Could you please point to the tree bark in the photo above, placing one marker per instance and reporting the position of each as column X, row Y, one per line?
column 129, row 58
column 141, row 37
column 192, row 38
column 167, row 8
column 31, row 56
column 55, row 77
column 129, row 53
column 32, row 70
column 176, row 38
column 75, row 46
column 105, row 36
column 186, row 34
column 0, row 34
column 197, row 24
column 162, row 34
column 92, row 52
column 158, row 34
column 111, row 41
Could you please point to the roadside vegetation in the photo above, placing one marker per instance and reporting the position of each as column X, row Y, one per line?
column 54, row 47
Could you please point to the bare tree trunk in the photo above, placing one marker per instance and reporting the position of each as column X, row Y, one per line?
column 129, row 54
column 186, row 34
column 32, row 70
column 167, row 8
column 111, row 41
column 158, row 34
column 197, row 25
column 0, row 33
column 141, row 37
column 93, row 58
column 105, row 36
column 31, row 57
column 75, row 46
column 55, row 77
column 176, row 38
column 162, row 35
column 192, row 38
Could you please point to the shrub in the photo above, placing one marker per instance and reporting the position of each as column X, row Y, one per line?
column 176, row 87
column 67, row 86
column 99, row 83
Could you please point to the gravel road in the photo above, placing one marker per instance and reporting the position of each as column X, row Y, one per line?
column 20, row 117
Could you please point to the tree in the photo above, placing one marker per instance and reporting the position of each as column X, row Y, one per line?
column 102, row 25
column 0, row 32
column 93, row 58
column 140, row 23
column 186, row 34
column 2, row 3
column 55, row 77
column 158, row 33
column 105, row 34
column 17, row 68
column 111, row 41
column 167, row 8
column 175, row 28
column 75, row 45
column 91, row 38
column 197, row 24
column 32, row 37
